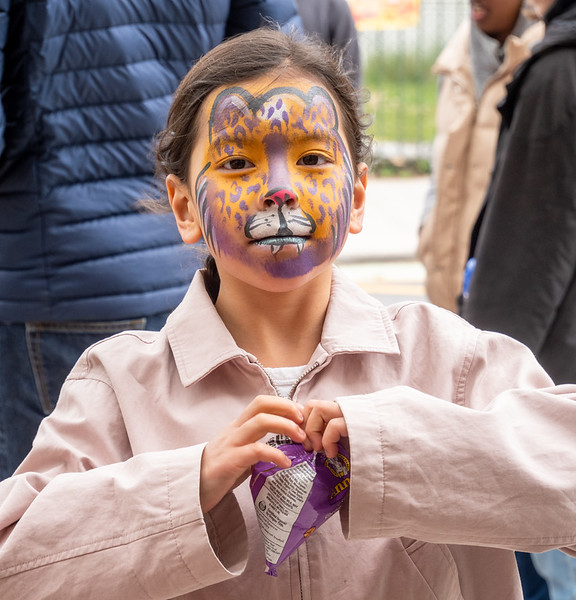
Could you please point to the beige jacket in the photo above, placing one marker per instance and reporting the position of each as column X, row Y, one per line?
column 461, row 450
column 462, row 159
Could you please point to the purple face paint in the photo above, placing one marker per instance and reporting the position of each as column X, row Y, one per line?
column 284, row 140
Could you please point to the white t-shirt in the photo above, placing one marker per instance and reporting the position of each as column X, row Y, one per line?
column 284, row 378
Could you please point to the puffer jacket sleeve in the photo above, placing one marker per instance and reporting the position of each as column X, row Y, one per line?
column 495, row 470
column 246, row 15
column 4, row 21
column 82, row 506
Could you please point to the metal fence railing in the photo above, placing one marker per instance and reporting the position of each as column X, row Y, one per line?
column 396, row 67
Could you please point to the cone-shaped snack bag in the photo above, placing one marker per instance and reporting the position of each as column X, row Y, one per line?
column 292, row 503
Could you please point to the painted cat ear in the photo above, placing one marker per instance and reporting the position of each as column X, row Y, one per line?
column 322, row 109
column 227, row 109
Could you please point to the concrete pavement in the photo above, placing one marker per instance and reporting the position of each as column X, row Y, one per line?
column 393, row 210
column 382, row 258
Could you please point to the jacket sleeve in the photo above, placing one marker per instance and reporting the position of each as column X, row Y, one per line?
column 497, row 470
column 526, row 249
column 81, row 506
column 4, row 22
column 246, row 15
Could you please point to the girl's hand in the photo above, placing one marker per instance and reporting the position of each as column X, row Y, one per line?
column 324, row 426
column 226, row 460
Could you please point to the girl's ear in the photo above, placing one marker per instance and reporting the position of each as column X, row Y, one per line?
column 359, row 199
column 183, row 207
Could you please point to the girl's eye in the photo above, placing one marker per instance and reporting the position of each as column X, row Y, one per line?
column 312, row 160
column 237, row 164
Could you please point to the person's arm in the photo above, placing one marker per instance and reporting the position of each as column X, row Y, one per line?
column 82, row 513
column 526, row 249
column 345, row 36
column 496, row 470
column 246, row 15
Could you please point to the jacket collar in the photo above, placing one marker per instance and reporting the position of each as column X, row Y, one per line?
column 355, row 323
column 455, row 57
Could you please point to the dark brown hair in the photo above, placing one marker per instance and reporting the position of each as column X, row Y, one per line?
column 259, row 52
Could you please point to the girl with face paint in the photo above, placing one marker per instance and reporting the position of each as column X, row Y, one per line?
column 137, row 484
column 271, row 186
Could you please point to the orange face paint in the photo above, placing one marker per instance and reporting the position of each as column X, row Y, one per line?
column 276, row 178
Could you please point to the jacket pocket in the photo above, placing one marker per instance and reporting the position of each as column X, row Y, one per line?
column 436, row 568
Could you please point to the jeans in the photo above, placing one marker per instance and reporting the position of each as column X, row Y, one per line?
column 35, row 359
column 559, row 571
column 534, row 587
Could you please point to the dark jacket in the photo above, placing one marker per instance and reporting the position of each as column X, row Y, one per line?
column 332, row 22
column 85, row 86
column 525, row 241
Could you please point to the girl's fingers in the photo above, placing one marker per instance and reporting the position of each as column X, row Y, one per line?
column 334, row 432
column 272, row 405
column 223, row 468
column 265, row 453
column 244, row 457
column 227, row 459
column 262, row 424
column 324, row 426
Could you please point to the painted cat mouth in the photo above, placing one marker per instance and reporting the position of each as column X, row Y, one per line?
column 276, row 243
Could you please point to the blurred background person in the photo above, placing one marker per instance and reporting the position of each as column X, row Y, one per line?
column 473, row 71
column 85, row 87
column 332, row 22
column 524, row 242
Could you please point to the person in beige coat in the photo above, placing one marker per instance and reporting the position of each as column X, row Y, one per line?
column 474, row 69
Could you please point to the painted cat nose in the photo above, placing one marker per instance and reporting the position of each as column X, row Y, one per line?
column 280, row 197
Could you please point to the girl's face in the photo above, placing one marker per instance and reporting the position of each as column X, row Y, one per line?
column 271, row 187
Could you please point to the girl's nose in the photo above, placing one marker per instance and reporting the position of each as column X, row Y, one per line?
column 280, row 197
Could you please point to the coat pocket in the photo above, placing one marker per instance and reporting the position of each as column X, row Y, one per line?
column 436, row 568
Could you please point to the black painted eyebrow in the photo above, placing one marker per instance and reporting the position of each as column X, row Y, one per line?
column 217, row 144
column 254, row 103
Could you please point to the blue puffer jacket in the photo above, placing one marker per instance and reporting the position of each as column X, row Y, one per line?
column 85, row 86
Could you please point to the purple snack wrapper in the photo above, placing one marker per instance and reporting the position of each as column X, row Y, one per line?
column 292, row 503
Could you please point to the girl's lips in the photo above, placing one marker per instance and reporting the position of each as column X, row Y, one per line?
column 276, row 243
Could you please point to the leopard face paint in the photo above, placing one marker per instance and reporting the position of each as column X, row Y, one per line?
column 276, row 185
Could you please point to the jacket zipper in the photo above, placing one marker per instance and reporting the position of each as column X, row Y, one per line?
column 296, row 383
column 270, row 381
column 306, row 372
column 290, row 397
